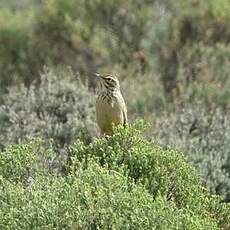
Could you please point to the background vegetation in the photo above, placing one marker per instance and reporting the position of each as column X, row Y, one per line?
column 173, row 61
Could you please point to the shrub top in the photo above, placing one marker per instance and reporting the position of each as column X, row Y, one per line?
column 117, row 182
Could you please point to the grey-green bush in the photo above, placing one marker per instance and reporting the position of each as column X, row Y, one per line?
column 60, row 107
column 204, row 136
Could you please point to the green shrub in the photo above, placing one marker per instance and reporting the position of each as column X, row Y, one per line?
column 72, row 33
column 60, row 107
column 59, row 35
column 14, row 39
column 91, row 199
column 20, row 163
column 163, row 172
column 109, row 186
column 124, row 27
column 77, row 34
column 190, row 37
column 204, row 136
column 185, row 41
column 46, row 35
column 18, row 5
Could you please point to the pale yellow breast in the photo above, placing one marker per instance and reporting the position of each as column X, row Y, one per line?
column 110, row 112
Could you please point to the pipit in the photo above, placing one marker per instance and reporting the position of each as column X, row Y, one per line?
column 110, row 105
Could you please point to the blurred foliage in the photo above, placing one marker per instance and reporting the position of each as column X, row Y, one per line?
column 103, row 189
column 182, row 40
column 15, row 56
column 192, row 37
column 60, row 107
column 18, row 5
column 205, row 138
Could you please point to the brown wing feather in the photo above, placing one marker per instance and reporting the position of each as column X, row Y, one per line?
column 125, row 117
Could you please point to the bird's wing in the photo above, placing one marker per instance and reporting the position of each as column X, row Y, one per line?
column 125, row 117
column 123, row 108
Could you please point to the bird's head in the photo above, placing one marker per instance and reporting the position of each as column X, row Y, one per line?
column 107, row 82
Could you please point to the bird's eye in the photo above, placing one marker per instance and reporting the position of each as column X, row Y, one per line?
column 109, row 79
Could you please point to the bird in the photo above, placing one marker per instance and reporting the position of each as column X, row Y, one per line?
column 110, row 105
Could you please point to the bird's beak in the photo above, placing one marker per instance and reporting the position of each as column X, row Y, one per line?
column 96, row 75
